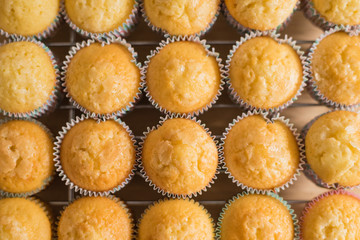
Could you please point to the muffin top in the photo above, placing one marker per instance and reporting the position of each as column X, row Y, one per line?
column 27, row 77
column 332, row 217
column 183, row 77
column 336, row 68
column 95, row 218
column 93, row 17
column 181, row 17
column 26, row 156
column 257, row 217
column 261, row 154
column 260, row 15
column 23, row 219
column 265, row 73
column 180, row 157
column 176, row 219
column 345, row 12
column 103, row 79
column 333, row 148
column 97, row 156
column 27, row 18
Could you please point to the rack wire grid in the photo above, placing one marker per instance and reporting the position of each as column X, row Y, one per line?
column 137, row 194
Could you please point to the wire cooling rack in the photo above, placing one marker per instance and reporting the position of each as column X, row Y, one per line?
column 137, row 194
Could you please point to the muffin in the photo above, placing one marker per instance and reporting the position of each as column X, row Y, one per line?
column 26, row 157
column 258, row 14
column 257, row 217
column 332, row 148
column 265, row 73
column 334, row 65
column 29, row 18
column 345, row 12
column 111, row 17
column 27, row 78
column 103, row 79
column 183, row 77
column 259, row 153
column 332, row 215
column 183, row 17
column 97, row 156
column 176, row 219
column 22, row 218
column 179, row 157
column 95, row 218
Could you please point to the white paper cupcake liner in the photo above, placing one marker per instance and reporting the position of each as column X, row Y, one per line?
column 309, row 205
column 315, row 17
column 51, row 103
column 170, row 199
column 147, row 178
column 48, row 32
column 166, row 34
column 121, row 31
column 315, row 92
column 113, row 198
column 269, row 119
column 277, row 197
column 235, row 24
column 46, row 181
column 104, row 42
column 67, row 180
column 309, row 173
column 286, row 40
column 210, row 52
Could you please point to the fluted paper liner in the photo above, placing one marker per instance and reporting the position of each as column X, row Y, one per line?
column 309, row 205
column 286, row 40
column 111, row 197
column 277, row 197
column 121, row 31
column 235, row 24
column 47, row 181
column 210, row 52
column 51, row 103
column 315, row 92
column 269, row 119
column 104, row 42
column 166, row 34
column 309, row 173
column 66, row 179
column 147, row 178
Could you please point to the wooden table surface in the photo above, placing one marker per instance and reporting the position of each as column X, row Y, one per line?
column 137, row 194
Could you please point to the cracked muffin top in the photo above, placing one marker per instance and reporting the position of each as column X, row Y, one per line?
column 261, row 154
column 97, row 156
column 346, row 12
column 336, row 68
column 180, row 157
column 181, row 17
column 335, row 216
column 261, row 15
column 332, row 147
column 103, row 79
column 182, row 77
column 257, row 217
column 176, row 219
column 26, row 156
column 24, row 219
column 265, row 73
column 95, row 218
column 96, row 17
